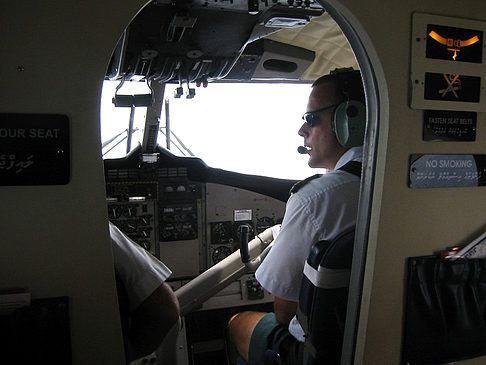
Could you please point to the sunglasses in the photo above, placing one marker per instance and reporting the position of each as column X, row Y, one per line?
column 310, row 118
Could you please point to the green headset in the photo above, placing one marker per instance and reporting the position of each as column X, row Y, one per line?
column 349, row 119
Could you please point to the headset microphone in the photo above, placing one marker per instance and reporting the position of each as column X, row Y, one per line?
column 302, row 150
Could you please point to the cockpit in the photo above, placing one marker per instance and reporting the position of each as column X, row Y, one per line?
column 180, row 180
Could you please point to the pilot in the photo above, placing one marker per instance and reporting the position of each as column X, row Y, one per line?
column 319, row 208
column 148, row 306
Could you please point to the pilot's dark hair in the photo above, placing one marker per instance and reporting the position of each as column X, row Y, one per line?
column 348, row 83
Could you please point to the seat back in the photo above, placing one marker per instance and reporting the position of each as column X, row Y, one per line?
column 323, row 298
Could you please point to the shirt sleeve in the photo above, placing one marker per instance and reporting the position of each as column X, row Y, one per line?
column 140, row 272
column 281, row 271
column 318, row 212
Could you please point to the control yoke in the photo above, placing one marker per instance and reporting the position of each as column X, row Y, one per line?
column 251, row 264
column 193, row 294
column 244, row 231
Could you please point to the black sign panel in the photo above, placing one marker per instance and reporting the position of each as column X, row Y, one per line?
column 441, row 126
column 447, row 171
column 454, row 44
column 450, row 87
column 34, row 149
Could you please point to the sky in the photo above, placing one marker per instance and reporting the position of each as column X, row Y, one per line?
column 246, row 128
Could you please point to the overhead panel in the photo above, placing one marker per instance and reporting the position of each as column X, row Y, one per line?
column 176, row 41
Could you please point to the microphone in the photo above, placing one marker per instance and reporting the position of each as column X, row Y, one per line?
column 302, row 150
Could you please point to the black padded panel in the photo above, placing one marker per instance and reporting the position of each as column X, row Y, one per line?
column 322, row 311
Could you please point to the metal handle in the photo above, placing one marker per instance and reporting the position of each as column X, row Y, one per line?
column 244, row 232
column 193, row 294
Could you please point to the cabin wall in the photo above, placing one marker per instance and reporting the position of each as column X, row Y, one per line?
column 408, row 222
column 55, row 239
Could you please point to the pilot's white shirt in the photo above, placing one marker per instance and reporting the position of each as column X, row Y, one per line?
column 140, row 272
column 320, row 210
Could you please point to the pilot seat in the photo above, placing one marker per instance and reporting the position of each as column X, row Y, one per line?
column 323, row 300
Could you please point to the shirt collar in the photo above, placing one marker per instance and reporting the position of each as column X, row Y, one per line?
column 353, row 154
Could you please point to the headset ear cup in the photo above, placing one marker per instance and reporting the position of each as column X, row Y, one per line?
column 349, row 123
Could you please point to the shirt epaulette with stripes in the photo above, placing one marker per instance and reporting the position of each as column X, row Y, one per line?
column 297, row 186
column 353, row 167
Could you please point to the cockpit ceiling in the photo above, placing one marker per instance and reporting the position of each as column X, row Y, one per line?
column 199, row 41
column 323, row 36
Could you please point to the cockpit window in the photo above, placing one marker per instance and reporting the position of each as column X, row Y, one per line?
column 248, row 128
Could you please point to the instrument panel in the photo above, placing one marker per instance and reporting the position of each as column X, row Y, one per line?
column 137, row 219
column 227, row 208
column 182, row 214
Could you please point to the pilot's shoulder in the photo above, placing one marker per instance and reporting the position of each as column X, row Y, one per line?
column 299, row 185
